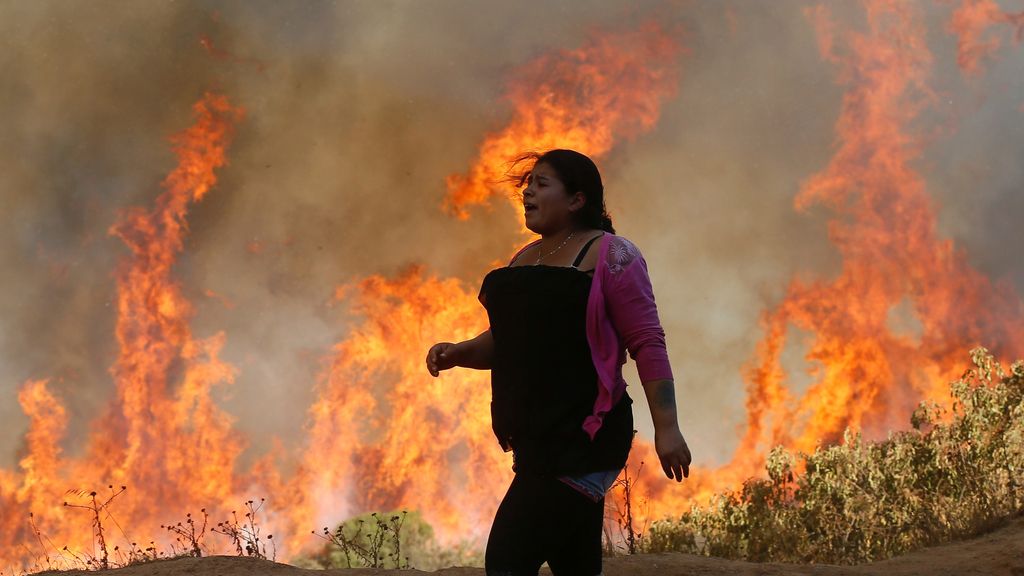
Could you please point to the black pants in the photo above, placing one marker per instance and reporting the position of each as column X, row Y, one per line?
column 542, row 519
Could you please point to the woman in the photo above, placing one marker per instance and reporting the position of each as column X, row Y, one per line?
column 562, row 315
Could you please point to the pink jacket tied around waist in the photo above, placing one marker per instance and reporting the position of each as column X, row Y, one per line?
column 621, row 316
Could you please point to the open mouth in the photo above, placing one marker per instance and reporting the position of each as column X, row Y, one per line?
column 528, row 207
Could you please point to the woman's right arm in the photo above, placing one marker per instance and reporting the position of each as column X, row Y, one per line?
column 477, row 353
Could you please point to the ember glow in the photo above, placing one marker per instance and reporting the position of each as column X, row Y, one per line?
column 885, row 330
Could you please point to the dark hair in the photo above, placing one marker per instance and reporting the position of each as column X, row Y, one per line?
column 578, row 173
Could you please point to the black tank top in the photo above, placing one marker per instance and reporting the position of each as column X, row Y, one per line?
column 543, row 382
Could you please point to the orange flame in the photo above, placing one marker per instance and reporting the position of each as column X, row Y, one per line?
column 891, row 329
column 41, row 466
column 971, row 21
column 162, row 436
column 385, row 434
column 585, row 99
column 869, row 374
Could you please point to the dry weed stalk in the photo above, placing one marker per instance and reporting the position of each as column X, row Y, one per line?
column 367, row 548
column 50, row 565
column 633, row 535
column 187, row 535
column 99, row 536
column 245, row 535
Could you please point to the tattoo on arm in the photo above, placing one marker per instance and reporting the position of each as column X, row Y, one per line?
column 665, row 394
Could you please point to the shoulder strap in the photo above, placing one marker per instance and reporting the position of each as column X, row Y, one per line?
column 521, row 250
column 583, row 251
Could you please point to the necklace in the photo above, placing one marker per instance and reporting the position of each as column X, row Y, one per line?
column 542, row 256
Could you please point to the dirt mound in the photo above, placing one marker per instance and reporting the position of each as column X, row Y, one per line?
column 998, row 553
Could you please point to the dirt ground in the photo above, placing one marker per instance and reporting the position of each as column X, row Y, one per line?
column 998, row 553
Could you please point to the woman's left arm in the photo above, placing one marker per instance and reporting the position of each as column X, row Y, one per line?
column 669, row 443
column 632, row 310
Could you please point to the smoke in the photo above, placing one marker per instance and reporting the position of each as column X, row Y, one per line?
column 356, row 113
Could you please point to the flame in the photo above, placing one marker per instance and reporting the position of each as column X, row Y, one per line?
column 585, row 99
column 385, row 434
column 970, row 22
column 163, row 435
column 891, row 329
column 870, row 374
column 41, row 465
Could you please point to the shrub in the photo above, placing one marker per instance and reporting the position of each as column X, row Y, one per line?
column 955, row 474
column 388, row 540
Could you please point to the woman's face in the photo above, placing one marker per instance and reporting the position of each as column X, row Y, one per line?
column 546, row 205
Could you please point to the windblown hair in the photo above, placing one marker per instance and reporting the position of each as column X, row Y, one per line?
column 578, row 173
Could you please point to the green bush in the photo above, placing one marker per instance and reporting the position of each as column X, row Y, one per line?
column 391, row 540
column 954, row 474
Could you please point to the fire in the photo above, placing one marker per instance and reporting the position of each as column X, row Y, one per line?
column 585, row 99
column 868, row 371
column 48, row 421
column 385, row 434
column 163, row 435
column 884, row 334
column 869, row 374
column 970, row 23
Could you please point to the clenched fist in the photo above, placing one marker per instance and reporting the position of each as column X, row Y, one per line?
column 441, row 356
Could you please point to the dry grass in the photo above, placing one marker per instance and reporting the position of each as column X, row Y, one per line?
column 188, row 539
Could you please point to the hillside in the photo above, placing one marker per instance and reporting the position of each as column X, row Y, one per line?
column 998, row 553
